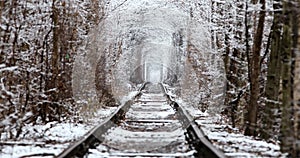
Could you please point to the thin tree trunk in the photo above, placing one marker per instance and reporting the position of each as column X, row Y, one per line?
column 251, row 117
column 55, row 50
column 247, row 36
column 296, row 78
column 286, row 123
column 1, row 9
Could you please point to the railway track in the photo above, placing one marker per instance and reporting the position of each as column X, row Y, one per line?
column 149, row 125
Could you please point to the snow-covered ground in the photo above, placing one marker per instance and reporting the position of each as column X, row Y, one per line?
column 233, row 142
column 147, row 27
column 50, row 139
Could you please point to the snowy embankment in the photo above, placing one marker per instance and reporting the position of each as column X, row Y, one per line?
column 51, row 139
column 231, row 140
column 42, row 140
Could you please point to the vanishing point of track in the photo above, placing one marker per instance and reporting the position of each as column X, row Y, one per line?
column 149, row 125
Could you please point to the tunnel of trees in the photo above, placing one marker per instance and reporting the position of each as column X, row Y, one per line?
column 257, row 39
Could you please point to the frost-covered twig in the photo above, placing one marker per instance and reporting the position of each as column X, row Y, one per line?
column 6, row 92
column 3, row 68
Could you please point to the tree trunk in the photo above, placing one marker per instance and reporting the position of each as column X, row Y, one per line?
column 1, row 9
column 286, row 133
column 286, row 107
column 286, row 92
column 296, row 78
column 55, row 50
column 296, row 91
column 251, row 116
column 273, row 77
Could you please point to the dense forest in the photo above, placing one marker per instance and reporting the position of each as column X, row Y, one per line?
column 258, row 40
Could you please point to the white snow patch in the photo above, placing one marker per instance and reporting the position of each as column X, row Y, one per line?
column 50, row 139
column 233, row 142
column 130, row 96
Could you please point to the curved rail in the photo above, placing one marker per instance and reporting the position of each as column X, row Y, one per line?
column 95, row 136
column 195, row 135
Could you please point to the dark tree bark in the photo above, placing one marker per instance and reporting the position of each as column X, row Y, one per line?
column 251, row 116
column 273, row 77
column 296, row 80
column 55, row 49
column 286, row 133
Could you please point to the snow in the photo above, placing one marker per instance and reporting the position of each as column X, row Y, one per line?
column 130, row 96
column 5, row 91
column 230, row 140
column 19, row 151
column 97, row 153
column 146, row 28
column 158, row 131
column 4, row 68
column 51, row 138
column 233, row 142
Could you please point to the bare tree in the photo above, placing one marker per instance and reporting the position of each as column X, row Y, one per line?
column 254, row 71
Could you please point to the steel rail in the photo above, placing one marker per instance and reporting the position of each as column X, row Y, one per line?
column 195, row 135
column 95, row 136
